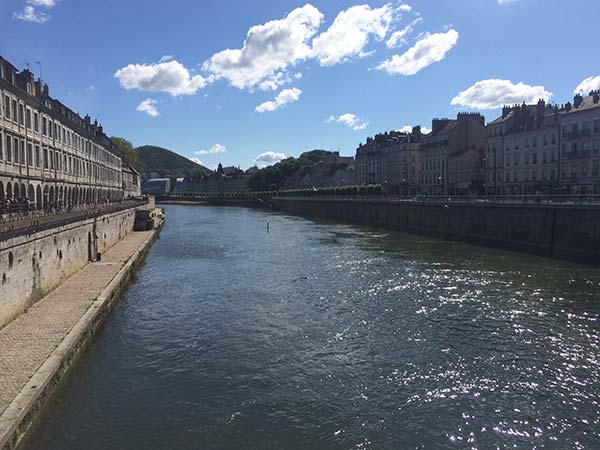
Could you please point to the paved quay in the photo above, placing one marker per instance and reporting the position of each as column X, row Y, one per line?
column 30, row 340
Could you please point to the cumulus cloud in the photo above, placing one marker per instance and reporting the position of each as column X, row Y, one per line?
column 492, row 94
column 349, row 34
column 587, row 85
column 283, row 98
column 397, row 38
column 170, row 76
column 197, row 161
column 408, row 129
column 350, row 120
column 268, row 158
column 268, row 51
column 30, row 14
column 215, row 149
column 148, row 106
column 430, row 49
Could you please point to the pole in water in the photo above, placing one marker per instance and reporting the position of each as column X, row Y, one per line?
column 268, row 227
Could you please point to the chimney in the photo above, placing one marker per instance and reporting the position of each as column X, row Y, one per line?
column 46, row 90
column 438, row 124
column 577, row 100
column 568, row 106
column 595, row 96
column 87, row 120
column 38, row 87
column 505, row 111
column 416, row 130
column 100, row 129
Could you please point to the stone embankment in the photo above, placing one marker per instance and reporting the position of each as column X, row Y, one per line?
column 38, row 348
column 560, row 231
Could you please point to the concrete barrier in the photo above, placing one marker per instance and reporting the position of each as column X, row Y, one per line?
column 561, row 231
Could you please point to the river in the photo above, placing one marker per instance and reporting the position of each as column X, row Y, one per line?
column 319, row 335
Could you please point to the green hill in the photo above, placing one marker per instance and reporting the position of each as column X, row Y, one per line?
column 160, row 162
column 275, row 176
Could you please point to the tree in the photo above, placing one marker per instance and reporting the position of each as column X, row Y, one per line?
column 129, row 155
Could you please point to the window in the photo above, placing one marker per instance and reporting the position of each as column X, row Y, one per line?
column 36, row 124
column 28, row 119
column 1, row 145
column 597, row 126
column 7, row 106
column 21, row 114
column 574, row 147
column 29, row 155
column 534, row 158
column 586, row 126
column 16, row 150
column 45, row 158
column 14, row 110
column 553, row 142
column 596, row 168
column 534, row 141
column 37, row 156
column 526, row 159
column 8, row 148
column 596, row 146
column 44, row 126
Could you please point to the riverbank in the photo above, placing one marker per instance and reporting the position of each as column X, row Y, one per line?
column 570, row 232
column 39, row 347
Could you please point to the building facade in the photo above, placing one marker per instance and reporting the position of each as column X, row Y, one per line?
column 449, row 137
column 49, row 155
column 132, row 186
column 580, row 145
column 522, row 151
column 391, row 159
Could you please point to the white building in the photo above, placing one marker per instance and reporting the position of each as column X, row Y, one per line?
column 48, row 153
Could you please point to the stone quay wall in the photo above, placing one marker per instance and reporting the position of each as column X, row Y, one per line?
column 560, row 231
column 33, row 263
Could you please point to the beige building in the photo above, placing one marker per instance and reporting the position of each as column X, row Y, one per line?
column 450, row 137
column 580, row 145
column 132, row 184
column 48, row 153
column 391, row 159
column 522, row 151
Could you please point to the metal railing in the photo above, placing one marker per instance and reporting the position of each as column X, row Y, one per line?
column 14, row 221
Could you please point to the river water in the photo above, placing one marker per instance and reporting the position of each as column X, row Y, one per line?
column 319, row 335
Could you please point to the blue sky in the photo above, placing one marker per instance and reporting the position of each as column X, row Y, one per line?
column 298, row 75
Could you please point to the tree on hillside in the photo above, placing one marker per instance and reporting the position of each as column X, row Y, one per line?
column 128, row 154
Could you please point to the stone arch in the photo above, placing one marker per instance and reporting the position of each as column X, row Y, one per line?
column 52, row 197
column 46, row 196
column 23, row 190
column 31, row 193
column 9, row 192
column 1, row 191
column 39, row 200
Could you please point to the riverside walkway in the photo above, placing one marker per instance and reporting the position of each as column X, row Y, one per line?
column 32, row 339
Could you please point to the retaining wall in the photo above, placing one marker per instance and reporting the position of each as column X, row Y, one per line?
column 561, row 231
column 34, row 263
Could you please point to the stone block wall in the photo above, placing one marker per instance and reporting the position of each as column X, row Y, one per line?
column 33, row 264
column 562, row 231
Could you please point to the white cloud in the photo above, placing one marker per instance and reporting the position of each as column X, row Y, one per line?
column 197, row 161
column 396, row 39
column 166, row 58
column 44, row 3
column 268, row 51
column 506, row 2
column 409, row 128
column 350, row 31
column 148, row 106
column 587, row 85
column 283, row 98
column 217, row 148
column 349, row 120
column 170, row 76
column 492, row 94
column 431, row 49
column 30, row 14
column 268, row 158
